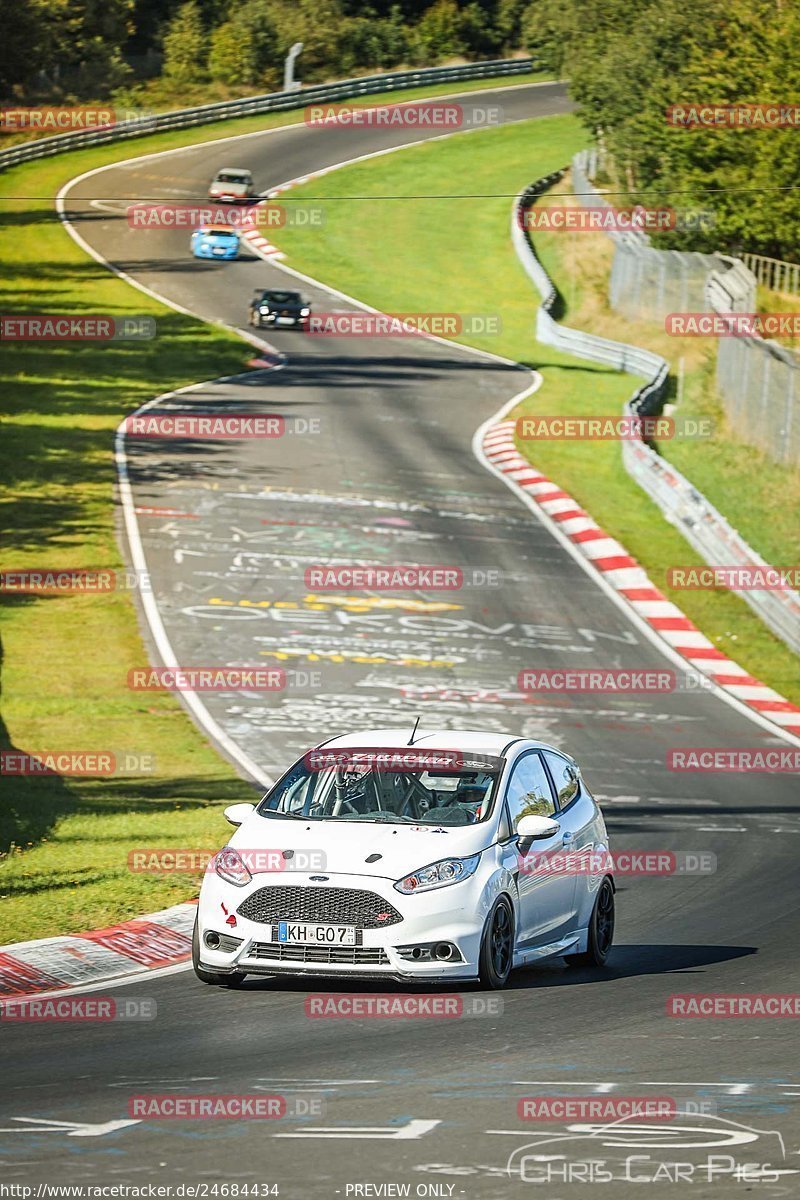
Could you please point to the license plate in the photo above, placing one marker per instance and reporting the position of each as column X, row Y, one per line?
column 217, row 250
column 286, row 320
column 317, row 935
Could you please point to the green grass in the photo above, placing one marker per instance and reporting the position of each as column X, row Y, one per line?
column 65, row 658
column 64, row 841
column 455, row 255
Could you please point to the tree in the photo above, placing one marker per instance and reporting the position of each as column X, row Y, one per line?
column 439, row 32
column 231, row 57
column 185, row 45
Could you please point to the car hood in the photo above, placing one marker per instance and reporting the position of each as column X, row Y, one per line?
column 345, row 846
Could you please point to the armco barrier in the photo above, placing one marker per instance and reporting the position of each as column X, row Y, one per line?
column 204, row 114
column 700, row 523
column 647, row 399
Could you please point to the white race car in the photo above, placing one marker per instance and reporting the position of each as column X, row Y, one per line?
column 444, row 856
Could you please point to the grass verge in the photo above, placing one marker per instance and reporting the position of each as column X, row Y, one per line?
column 64, row 841
column 458, row 256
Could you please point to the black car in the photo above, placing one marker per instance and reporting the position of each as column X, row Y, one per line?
column 269, row 307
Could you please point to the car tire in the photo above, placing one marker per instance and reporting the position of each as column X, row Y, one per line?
column 497, row 946
column 214, row 978
column 601, row 930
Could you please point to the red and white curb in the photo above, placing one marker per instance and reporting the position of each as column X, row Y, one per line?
column 610, row 559
column 263, row 247
column 159, row 939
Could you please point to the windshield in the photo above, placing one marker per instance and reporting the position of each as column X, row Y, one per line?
column 281, row 297
column 230, row 177
column 367, row 787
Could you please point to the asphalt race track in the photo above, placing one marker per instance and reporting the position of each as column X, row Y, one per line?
column 390, row 477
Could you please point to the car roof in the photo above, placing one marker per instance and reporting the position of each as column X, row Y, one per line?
column 217, row 229
column 475, row 740
column 233, row 171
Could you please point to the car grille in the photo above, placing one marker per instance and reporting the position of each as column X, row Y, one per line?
column 353, row 956
column 328, row 906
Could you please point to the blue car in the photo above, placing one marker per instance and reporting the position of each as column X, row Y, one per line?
column 215, row 241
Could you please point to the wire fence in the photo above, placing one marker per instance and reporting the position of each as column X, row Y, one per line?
column 774, row 273
column 757, row 379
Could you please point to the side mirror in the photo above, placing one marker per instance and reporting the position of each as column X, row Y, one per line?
column 534, row 829
column 237, row 814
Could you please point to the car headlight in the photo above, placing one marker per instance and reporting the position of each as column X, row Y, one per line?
column 264, row 312
column 230, row 866
column 438, row 874
column 305, row 312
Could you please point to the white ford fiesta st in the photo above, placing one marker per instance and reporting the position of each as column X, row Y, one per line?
column 436, row 857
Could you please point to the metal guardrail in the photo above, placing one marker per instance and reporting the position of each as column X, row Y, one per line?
column 204, row 114
column 682, row 504
column 646, row 400
column 774, row 273
column 711, row 535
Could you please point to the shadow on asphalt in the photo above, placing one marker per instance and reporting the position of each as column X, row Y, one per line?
column 626, row 962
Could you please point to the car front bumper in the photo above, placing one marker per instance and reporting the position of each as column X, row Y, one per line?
column 285, row 322
column 452, row 915
column 211, row 252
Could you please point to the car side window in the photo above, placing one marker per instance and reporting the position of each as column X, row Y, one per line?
column 564, row 776
column 529, row 792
